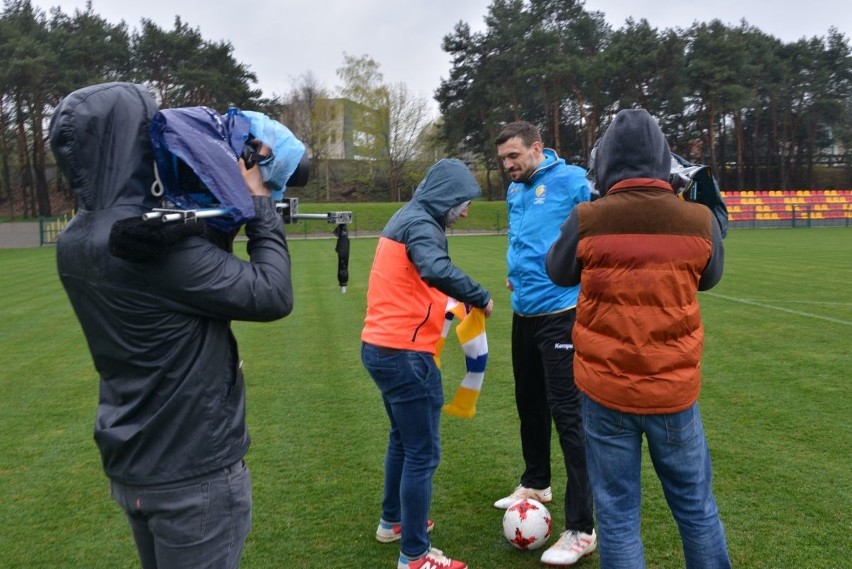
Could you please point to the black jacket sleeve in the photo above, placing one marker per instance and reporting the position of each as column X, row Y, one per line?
column 200, row 278
column 427, row 249
column 712, row 273
column 561, row 263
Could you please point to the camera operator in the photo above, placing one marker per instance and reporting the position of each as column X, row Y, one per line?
column 170, row 421
column 641, row 255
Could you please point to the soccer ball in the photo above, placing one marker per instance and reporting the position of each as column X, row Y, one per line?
column 527, row 524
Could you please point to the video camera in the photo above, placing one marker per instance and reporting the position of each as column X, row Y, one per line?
column 195, row 152
column 251, row 156
column 695, row 183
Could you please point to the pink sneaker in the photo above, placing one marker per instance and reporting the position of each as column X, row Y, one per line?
column 434, row 559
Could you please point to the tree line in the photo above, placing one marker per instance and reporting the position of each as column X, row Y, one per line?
column 43, row 57
column 764, row 114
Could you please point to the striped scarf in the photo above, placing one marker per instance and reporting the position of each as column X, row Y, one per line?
column 474, row 342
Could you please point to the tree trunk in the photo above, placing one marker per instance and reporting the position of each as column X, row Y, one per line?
column 723, row 155
column 27, row 197
column 738, row 134
column 42, row 195
column 755, row 150
column 810, row 153
column 711, row 137
column 4, row 153
column 784, row 150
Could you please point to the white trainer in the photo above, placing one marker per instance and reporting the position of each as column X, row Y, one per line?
column 544, row 496
column 387, row 533
column 570, row 548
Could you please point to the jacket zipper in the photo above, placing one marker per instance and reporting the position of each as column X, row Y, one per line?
column 425, row 320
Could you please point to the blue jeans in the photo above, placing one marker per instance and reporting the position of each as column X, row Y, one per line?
column 681, row 460
column 198, row 523
column 412, row 393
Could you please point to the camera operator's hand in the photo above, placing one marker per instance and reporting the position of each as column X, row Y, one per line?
column 253, row 179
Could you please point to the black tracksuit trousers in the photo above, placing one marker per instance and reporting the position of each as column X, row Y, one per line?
column 543, row 364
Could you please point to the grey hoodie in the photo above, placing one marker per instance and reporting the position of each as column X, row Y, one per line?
column 421, row 223
column 172, row 395
column 632, row 147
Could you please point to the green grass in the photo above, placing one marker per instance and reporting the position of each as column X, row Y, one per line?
column 776, row 405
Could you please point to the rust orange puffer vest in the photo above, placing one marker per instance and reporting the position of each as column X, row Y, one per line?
column 638, row 335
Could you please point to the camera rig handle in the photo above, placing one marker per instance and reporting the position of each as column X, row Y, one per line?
column 289, row 209
column 167, row 215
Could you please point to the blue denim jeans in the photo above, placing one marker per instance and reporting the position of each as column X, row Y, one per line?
column 681, row 460
column 412, row 393
column 198, row 523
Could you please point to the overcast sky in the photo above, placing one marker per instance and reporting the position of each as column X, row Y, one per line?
column 283, row 39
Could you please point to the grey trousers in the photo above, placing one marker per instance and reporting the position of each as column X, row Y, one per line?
column 200, row 523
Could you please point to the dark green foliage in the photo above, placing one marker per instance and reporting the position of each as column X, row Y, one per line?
column 43, row 58
column 760, row 112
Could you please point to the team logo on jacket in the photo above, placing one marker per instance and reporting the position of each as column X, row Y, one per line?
column 540, row 194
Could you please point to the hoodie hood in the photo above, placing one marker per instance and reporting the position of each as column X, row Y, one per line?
column 100, row 136
column 447, row 184
column 632, row 147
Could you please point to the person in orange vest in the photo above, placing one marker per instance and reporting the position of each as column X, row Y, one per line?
column 410, row 281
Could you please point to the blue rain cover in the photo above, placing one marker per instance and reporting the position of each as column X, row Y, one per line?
column 286, row 149
column 210, row 145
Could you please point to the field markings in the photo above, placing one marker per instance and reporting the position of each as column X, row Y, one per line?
column 781, row 308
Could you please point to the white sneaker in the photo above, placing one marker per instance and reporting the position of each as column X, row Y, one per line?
column 544, row 496
column 387, row 533
column 571, row 547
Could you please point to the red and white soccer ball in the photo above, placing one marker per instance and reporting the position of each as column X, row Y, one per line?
column 527, row 524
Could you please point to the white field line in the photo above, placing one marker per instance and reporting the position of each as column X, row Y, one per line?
column 782, row 309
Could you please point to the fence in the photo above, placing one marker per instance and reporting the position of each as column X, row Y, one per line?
column 49, row 228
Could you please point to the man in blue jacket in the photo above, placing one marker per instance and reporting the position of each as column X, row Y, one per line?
column 171, row 418
column 543, row 192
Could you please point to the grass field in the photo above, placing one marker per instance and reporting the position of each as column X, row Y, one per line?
column 776, row 403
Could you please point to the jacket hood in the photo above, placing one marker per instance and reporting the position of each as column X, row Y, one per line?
column 632, row 147
column 100, row 136
column 447, row 184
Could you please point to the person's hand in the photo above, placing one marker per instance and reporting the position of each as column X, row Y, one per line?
column 489, row 308
column 509, row 285
column 252, row 176
column 253, row 179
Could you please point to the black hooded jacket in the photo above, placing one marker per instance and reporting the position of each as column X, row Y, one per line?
column 172, row 395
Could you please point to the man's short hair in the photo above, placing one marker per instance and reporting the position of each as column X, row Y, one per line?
column 527, row 132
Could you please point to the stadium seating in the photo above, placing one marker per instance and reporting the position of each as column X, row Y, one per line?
column 789, row 205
